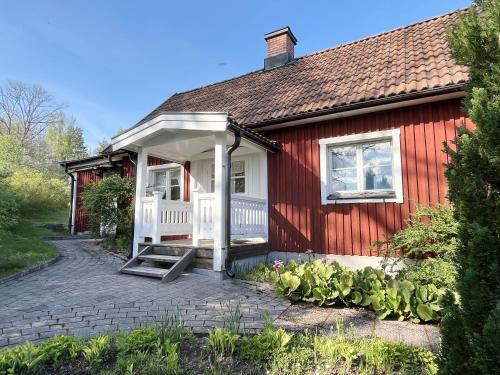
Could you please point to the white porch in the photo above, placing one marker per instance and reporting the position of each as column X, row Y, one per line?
column 200, row 141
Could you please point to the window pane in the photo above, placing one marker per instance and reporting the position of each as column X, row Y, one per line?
column 238, row 185
column 161, row 178
column 175, row 193
column 175, row 177
column 375, row 154
column 238, row 168
column 378, row 177
column 345, row 180
column 343, row 157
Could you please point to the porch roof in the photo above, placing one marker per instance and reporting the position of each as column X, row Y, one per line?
column 176, row 127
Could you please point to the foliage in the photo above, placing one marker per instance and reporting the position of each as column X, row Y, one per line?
column 431, row 230
column 64, row 140
column 143, row 339
column 37, row 192
column 9, row 208
column 437, row 271
column 108, row 206
column 97, row 351
column 329, row 284
column 262, row 272
column 21, row 247
column 222, row 341
column 471, row 330
column 11, row 154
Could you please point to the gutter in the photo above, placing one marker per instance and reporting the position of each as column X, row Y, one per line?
column 235, row 145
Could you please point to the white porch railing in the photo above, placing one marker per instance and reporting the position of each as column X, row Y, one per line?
column 163, row 217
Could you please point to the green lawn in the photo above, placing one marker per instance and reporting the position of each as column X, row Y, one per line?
column 22, row 247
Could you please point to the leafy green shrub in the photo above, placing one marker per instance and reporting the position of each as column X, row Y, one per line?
column 37, row 192
column 108, row 204
column 23, row 359
column 9, row 208
column 438, row 271
column 59, row 349
column 329, row 284
column 431, row 230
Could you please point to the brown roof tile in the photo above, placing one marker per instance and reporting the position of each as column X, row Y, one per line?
column 407, row 60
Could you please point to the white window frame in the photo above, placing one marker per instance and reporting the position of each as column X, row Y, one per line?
column 392, row 135
column 245, row 177
column 164, row 167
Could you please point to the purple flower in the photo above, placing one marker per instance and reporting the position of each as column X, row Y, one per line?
column 278, row 264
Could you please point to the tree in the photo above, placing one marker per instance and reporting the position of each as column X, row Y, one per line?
column 103, row 143
column 26, row 111
column 471, row 331
column 65, row 140
column 11, row 154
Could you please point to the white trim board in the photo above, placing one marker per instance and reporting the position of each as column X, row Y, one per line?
column 393, row 135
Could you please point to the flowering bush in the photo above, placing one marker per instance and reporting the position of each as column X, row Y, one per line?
column 329, row 284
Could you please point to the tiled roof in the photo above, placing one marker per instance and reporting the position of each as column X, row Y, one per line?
column 411, row 59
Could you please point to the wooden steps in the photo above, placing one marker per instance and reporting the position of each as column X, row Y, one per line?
column 160, row 261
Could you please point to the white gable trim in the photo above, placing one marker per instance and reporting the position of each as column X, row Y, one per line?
column 199, row 121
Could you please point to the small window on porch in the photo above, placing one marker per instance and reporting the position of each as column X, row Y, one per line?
column 238, row 180
column 168, row 181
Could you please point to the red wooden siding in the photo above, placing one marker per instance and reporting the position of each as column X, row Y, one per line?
column 83, row 178
column 298, row 221
column 128, row 170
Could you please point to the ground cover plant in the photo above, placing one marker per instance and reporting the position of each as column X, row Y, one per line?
column 170, row 349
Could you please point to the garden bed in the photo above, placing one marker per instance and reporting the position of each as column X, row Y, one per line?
column 171, row 349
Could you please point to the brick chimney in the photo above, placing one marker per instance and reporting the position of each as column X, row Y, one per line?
column 280, row 48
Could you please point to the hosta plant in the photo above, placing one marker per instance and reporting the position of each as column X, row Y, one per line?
column 329, row 284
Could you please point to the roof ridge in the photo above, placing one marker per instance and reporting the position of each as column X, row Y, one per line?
column 381, row 33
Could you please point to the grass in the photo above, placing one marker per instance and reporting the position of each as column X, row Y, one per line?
column 21, row 247
column 262, row 272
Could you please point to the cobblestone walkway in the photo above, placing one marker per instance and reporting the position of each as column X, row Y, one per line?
column 83, row 294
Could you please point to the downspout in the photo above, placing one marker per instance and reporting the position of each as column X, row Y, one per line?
column 70, row 220
column 134, row 162
column 236, row 144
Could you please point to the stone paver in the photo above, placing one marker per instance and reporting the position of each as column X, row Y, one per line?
column 83, row 294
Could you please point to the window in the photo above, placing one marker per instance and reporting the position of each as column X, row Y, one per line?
column 167, row 181
column 237, row 177
column 361, row 168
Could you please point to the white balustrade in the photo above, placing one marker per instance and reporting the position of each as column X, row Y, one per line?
column 163, row 217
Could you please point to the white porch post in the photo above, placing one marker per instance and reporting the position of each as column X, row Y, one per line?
column 156, row 217
column 140, row 192
column 196, row 218
column 73, row 204
column 219, row 218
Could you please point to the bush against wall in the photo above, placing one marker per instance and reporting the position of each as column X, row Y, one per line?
column 9, row 208
column 37, row 192
column 108, row 205
column 429, row 239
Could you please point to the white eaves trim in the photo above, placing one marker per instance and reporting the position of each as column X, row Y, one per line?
column 199, row 121
column 393, row 135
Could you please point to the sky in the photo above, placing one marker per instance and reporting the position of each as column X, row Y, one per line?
column 113, row 61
